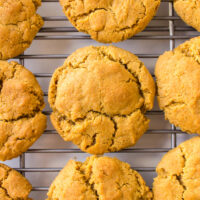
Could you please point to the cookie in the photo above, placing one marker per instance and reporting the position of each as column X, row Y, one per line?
column 110, row 21
column 98, row 178
column 178, row 173
column 13, row 185
column 99, row 98
column 178, row 74
column 21, row 103
column 189, row 11
column 19, row 24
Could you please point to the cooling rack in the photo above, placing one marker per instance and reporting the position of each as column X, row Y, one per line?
column 55, row 41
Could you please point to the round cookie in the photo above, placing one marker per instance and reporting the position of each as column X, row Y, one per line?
column 19, row 24
column 21, row 103
column 98, row 178
column 99, row 98
column 189, row 11
column 178, row 74
column 110, row 21
column 178, row 173
column 13, row 185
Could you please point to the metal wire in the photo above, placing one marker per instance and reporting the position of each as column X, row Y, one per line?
column 22, row 157
column 172, row 46
column 157, row 30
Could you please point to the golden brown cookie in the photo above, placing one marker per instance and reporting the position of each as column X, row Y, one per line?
column 21, row 103
column 178, row 80
column 110, row 21
column 99, row 98
column 178, row 173
column 19, row 24
column 99, row 178
column 13, row 185
column 189, row 11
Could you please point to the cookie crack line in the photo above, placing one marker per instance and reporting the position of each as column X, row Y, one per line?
column 180, row 177
column 192, row 57
column 26, row 116
column 88, row 13
column 136, row 23
column 97, row 112
column 77, row 66
column 93, row 141
column 95, row 135
column 16, row 139
column 186, row 55
column 138, row 182
column 125, row 65
column 117, row 29
column 114, row 134
column 26, row 20
column 120, row 186
column 1, row 85
column 4, row 78
column 88, row 182
column 1, row 184
column 174, row 103
column 78, row 120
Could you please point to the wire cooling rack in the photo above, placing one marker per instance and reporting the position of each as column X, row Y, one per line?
column 41, row 163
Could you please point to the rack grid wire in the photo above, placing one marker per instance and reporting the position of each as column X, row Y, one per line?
column 171, row 28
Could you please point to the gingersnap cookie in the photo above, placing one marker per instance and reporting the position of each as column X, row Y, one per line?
column 110, row 21
column 189, row 11
column 99, row 98
column 178, row 74
column 178, row 173
column 13, row 185
column 99, row 178
column 19, row 24
column 21, row 104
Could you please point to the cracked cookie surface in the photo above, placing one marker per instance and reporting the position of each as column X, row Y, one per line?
column 21, row 103
column 99, row 178
column 19, row 24
column 13, row 186
column 189, row 11
column 99, row 98
column 178, row 74
column 110, row 21
column 178, row 173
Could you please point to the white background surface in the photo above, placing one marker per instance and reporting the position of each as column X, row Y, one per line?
column 54, row 141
